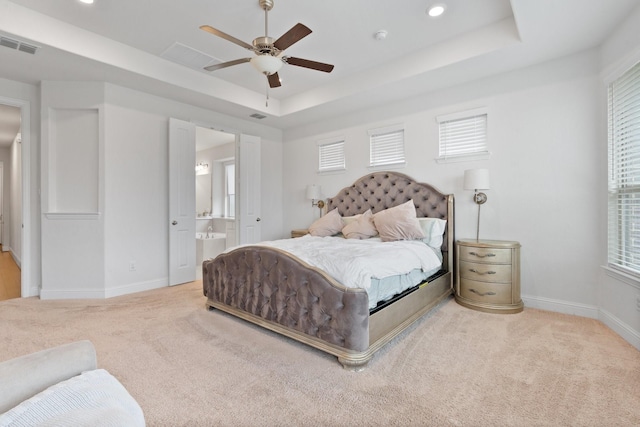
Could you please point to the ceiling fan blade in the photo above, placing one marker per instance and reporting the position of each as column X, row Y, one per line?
column 227, row 64
column 274, row 80
column 327, row 68
column 225, row 36
column 294, row 35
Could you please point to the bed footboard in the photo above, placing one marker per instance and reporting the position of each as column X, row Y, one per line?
column 271, row 288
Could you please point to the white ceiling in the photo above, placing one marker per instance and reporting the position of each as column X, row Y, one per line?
column 121, row 41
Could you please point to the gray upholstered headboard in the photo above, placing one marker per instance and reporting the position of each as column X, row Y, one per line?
column 381, row 190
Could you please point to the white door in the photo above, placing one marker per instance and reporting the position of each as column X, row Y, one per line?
column 248, row 184
column 1, row 199
column 182, row 202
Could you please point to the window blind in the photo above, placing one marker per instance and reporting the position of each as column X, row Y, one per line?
column 624, row 172
column 463, row 134
column 331, row 156
column 386, row 146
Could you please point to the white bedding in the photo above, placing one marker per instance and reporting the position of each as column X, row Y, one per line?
column 354, row 262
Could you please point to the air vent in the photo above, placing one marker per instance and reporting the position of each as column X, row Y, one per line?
column 10, row 43
column 15, row 44
column 189, row 57
column 258, row 116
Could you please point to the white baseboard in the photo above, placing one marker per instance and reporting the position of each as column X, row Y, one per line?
column 104, row 293
column 629, row 334
column 16, row 258
column 136, row 287
column 560, row 306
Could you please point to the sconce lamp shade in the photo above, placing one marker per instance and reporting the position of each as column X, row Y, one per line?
column 476, row 179
column 313, row 192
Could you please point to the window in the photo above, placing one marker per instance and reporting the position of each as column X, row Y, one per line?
column 331, row 155
column 386, row 146
column 463, row 135
column 230, row 190
column 624, row 172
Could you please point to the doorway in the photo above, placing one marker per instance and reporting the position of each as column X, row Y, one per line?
column 11, row 196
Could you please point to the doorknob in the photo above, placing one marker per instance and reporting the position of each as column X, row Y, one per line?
column 258, row 219
column 174, row 222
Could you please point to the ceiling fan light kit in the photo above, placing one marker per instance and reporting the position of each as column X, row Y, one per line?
column 269, row 59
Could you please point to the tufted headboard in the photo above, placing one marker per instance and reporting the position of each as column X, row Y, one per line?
column 381, row 190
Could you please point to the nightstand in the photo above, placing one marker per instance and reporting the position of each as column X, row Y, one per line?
column 488, row 275
column 299, row 232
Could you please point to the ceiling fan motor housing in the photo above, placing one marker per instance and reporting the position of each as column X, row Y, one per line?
column 264, row 46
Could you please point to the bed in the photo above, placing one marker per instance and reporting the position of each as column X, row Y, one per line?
column 270, row 287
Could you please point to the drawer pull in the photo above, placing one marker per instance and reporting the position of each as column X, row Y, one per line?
column 473, row 270
column 489, row 255
column 480, row 293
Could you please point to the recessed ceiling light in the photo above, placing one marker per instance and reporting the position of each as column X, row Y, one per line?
column 87, row 1
column 436, row 10
column 380, row 34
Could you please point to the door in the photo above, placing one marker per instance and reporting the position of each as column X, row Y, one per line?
column 1, row 200
column 248, row 174
column 182, row 202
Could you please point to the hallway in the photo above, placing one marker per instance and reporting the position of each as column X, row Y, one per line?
column 9, row 277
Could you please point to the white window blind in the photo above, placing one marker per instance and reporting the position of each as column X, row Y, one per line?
column 624, row 171
column 331, row 155
column 386, row 146
column 463, row 134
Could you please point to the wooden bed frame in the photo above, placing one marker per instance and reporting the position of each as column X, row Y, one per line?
column 275, row 290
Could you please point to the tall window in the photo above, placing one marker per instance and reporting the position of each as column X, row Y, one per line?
column 386, row 146
column 463, row 135
column 331, row 155
column 230, row 190
column 624, row 171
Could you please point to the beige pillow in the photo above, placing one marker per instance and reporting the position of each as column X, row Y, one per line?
column 398, row 223
column 361, row 228
column 327, row 225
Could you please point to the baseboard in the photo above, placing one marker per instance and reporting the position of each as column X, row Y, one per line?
column 104, row 293
column 16, row 258
column 560, row 306
column 618, row 326
column 136, row 287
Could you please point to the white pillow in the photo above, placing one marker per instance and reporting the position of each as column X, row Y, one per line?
column 328, row 225
column 433, row 229
column 398, row 223
column 360, row 228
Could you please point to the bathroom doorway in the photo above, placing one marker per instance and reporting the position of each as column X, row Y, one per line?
column 215, row 194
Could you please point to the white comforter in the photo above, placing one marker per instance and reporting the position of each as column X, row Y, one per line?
column 355, row 262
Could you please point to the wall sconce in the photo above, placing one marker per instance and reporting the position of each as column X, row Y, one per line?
column 477, row 179
column 201, row 167
column 313, row 193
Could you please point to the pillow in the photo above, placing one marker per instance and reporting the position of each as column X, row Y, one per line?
column 398, row 223
column 433, row 229
column 349, row 219
column 360, row 228
column 327, row 225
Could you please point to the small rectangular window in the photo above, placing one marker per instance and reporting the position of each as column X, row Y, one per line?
column 386, row 146
column 463, row 135
column 331, row 155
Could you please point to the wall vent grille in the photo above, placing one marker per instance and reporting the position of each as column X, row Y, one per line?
column 258, row 116
column 16, row 44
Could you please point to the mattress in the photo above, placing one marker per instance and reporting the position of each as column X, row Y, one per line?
column 383, row 269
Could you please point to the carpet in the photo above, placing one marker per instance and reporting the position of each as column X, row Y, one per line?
column 187, row 366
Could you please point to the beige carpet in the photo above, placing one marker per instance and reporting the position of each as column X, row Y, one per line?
column 458, row 367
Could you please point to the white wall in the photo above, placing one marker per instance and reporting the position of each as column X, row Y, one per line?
column 5, row 158
column 543, row 128
column 136, row 164
column 618, row 293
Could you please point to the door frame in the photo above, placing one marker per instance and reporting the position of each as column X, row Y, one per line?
column 25, row 154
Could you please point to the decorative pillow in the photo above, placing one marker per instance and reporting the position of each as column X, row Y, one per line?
column 349, row 219
column 327, row 225
column 360, row 228
column 433, row 229
column 398, row 223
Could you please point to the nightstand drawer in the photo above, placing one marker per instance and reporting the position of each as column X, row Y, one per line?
column 486, row 272
column 492, row 255
column 485, row 292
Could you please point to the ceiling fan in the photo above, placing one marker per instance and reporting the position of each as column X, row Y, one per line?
column 269, row 52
